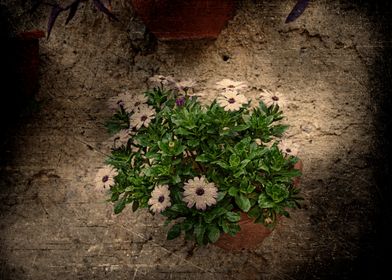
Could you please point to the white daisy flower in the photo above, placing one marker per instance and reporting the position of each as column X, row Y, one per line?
column 232, row 101
column 135, row 149
column 269, row 98
column 189, row 154
column 119, row 101
column 205, row 93
column 199, row 192
column 121, row 138
column 142, row 117
column 135, row 102
column 160, row 80
column 105, row 178
column 185, row 85
column 288, row 147
column 205, row 97
column 160, row 199
column 230, row 85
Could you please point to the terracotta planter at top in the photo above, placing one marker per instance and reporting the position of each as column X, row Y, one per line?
column 184, row 19
column 251, row 234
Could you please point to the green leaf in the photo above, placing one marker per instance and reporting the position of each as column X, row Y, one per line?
column 265, row 202
column 164, row 147
column 225, row 226
column 264, row 167
column 222, row 164
column 244, row 185
column 242, row 202
column 233, row 229
column 182, row 131
column 120, row 120
column 262, row 106
column 120, row 205
column 268, row 120
column 213, row 233
column 199, row 233
column 187, row 225
column 233, row 191
column 239, row 173
column 245, row 162
column 278, row 192
column 216, row 212
column 193, row 142
column 240, row 127
column 179, row 150
column 254, row 212
column 233, row 217
column 114, row 197
column 250, row 189
column 278, row 130
column 257, row 153
column 234, row 160
column 202, row 158
column 181, row 208
column 176, row 179
column 221, row 195
column 174, row 232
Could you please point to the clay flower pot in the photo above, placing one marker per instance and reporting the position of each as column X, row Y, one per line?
column 249, row 237
column 251, row 234
column 184, row 19
column 25, row 46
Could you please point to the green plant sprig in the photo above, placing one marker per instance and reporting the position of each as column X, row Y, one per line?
column 190, row 140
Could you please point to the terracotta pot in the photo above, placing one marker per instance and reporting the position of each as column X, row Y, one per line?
column 249, row 237
column 184, row 19
column 26, row 61
column 251, row 234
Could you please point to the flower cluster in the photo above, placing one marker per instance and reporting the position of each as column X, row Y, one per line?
column 200, row 166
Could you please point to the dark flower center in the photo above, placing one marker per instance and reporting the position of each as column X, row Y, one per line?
column 231, row 100
column 180, row 101
column 105, row 178
column 200, row 191
column 161, row 199
column 288, row 150
column 137, row 104
column 275, row 98
column 143, row 118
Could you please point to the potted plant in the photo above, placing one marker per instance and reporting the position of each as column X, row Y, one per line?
column 170, row 19
column 209, row 169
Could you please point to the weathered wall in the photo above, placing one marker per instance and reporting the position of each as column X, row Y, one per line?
column 53, row 224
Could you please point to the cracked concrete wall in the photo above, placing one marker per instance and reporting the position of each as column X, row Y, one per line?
column 53, row 224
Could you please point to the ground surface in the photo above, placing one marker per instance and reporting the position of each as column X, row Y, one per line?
column 55, row 226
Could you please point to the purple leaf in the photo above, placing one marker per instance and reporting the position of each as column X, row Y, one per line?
column 56, row 10
column 72, row 10
column 101, row 7
column 298, row 9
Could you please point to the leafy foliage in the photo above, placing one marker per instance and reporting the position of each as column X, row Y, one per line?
column 190, row 140
column 72, row 9
column 298, row 9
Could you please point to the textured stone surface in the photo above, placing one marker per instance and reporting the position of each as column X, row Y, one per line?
column 55, row 226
